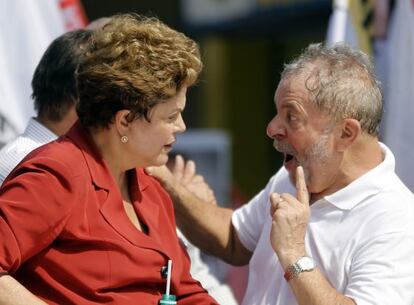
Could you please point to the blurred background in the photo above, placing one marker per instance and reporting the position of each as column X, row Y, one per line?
column 244, row 45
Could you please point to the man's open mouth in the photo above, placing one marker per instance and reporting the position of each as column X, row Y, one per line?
column 288, row 157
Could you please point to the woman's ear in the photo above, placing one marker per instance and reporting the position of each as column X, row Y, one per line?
column 350, row 131
column 121, row 121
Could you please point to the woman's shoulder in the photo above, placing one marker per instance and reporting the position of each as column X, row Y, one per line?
column 61, row 155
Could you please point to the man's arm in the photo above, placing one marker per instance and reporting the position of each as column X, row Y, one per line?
column 290, row 219
column 206, row 225
column 13, row 293
column 312, row 288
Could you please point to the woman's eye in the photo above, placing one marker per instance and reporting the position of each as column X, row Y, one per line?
column 173, row 117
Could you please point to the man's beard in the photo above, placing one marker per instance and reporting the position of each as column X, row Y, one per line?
column 316, row 153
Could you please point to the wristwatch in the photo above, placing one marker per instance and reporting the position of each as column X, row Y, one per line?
column 304, row 264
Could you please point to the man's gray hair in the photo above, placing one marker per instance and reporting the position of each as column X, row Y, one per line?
column 341, row 83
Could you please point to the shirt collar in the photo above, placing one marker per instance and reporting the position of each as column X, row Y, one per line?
column 98, row 169
column 365, row 186
column 38, row 132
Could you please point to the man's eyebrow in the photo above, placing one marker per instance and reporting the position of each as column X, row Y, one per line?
column 291, row 105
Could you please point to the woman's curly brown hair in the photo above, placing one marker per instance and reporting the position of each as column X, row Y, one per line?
column 133, row 62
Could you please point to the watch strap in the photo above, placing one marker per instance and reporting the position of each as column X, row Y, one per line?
column 295, row 269
column 292, row 271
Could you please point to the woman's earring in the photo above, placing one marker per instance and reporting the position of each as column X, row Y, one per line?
column 124, row 139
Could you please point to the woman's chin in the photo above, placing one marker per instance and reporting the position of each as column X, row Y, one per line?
column 161, row 160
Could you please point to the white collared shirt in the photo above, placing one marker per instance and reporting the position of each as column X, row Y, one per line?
column 361, row 238
column 34, row 136
column 203, row 273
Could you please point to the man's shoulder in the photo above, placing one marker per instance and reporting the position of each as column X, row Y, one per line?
column 13, row 152
column 20, row 145
column 395, row 191
column 391, row 210
column 55, row 156
column 34, row 136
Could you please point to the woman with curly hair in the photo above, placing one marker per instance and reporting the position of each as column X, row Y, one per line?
column 80, row 220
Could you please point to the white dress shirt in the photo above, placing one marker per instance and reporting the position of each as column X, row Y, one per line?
column 12, row 153
column 361, row 238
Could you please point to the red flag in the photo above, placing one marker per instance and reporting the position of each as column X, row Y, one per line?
column 73, row 14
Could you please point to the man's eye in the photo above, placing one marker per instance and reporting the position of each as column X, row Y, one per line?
column 291, row 117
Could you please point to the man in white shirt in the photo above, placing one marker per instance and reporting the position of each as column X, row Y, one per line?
column 54, row 94
column 335, row 225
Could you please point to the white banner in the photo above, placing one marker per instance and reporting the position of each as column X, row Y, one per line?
column 26, row 29
column 398, row 132
column 340, row 26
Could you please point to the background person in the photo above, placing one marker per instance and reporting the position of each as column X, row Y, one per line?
column 54, row 94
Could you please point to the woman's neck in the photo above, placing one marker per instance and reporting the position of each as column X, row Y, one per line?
column 110, row 150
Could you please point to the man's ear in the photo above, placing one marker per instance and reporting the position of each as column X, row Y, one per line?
column 121, row 122
column 350, row 131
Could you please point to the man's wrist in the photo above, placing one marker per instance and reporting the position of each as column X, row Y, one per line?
column 303, row 264
column 288, row 258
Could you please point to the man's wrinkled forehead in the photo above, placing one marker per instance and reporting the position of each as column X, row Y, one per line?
column 293, row 82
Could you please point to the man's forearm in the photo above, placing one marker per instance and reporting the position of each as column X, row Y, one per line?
column 208, row 226
column 13, row 293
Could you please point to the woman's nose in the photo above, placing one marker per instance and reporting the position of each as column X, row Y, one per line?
column 181, row 125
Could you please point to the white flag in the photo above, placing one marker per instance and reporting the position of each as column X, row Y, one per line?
column 398, row 132
column 26, row 29
column 347, row 23
column 339, row 23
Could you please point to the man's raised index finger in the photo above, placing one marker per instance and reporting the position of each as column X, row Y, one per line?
column 302, row 193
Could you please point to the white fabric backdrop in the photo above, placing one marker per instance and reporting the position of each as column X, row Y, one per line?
column 398, row 131
column 26, row 29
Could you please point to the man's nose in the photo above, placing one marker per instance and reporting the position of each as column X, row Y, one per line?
column 275, row 129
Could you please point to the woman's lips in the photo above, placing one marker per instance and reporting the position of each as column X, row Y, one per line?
column 169, row 146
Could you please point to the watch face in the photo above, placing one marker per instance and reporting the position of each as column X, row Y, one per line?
column 306, row 263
